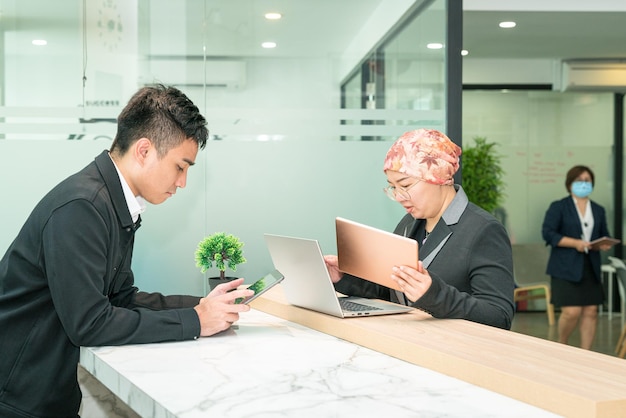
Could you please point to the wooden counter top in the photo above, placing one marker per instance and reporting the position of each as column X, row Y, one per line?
column 565, row 380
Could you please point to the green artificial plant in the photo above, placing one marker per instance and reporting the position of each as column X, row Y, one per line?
column 482, row 175
column 221, row 249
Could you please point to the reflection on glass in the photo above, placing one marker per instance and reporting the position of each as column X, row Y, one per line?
column 99, row 52
column 404, row 74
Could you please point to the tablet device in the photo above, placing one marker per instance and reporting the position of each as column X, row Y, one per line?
column 371, row 253
column 596, row 243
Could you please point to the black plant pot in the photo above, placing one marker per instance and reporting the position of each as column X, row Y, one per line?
column 214, row 281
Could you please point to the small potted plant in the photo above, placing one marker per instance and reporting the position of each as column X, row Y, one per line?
column 223, row 250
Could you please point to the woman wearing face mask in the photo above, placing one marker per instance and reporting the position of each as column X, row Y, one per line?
column 568, row 227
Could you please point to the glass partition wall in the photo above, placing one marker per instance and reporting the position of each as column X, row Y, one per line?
column 278, row 94
column 404, row 73
column 75, row 63
column 540, row 135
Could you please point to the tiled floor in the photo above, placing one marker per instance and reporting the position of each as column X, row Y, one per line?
column 536, row 324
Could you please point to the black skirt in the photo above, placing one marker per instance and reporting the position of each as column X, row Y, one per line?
column 587, row 292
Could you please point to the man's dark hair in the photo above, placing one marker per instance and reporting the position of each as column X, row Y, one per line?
column 162, row 114
column 576, row 171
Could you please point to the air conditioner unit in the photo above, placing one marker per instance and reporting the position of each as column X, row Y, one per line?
column 593, row 75
column 197, row 72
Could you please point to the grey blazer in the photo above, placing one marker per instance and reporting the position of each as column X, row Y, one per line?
column 468, row 256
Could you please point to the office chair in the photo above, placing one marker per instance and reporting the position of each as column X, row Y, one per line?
column 620, row 271
column 621, row 286
column 531, row 283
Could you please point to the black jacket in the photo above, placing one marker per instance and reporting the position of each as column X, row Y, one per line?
column 66, row 282
column 561, row 220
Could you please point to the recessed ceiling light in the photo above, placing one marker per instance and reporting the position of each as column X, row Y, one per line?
column 507, row 25
column 434, row 45
column 268, row 44
column 273, row 16
column 464, row 52
column 40, row 42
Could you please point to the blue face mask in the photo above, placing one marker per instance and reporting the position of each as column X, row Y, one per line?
column 582, row 188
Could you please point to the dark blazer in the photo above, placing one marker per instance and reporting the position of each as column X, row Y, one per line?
column 469, row 257
column 66, row 282
column 561, row 220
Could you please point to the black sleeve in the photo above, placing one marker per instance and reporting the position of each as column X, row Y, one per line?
column 489, row 269
column 75, row 250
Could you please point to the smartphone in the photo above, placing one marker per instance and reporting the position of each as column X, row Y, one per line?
column 262, row 285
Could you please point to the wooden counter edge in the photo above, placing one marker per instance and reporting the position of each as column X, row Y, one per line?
column 546, row 395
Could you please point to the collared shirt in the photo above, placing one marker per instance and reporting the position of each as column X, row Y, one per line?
column 136, row 204
column 586, row 221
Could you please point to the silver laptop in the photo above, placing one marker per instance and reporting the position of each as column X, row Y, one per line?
column 307, row 283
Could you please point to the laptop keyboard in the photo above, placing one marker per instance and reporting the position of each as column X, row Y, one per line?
column 350, row 306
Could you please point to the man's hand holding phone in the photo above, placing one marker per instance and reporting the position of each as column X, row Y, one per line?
column 218, row 310
column 261, row 286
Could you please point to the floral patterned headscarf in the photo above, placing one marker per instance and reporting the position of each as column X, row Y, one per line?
column 426, row 154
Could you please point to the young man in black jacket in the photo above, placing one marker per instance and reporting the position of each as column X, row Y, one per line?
column 66, row 279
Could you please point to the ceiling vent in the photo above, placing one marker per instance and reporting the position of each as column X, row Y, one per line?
column 594, row 75
column 197, row 72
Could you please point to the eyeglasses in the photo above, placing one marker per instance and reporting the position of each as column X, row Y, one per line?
column 394, row 192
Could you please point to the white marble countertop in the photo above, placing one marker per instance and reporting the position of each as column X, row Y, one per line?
column 269, row 367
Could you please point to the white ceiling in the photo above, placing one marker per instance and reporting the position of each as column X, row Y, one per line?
column 234, row 27
column 326, row 27
column 583, row 29
column 546, row 34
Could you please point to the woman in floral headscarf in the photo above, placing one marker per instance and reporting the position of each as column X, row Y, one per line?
column 466, row 265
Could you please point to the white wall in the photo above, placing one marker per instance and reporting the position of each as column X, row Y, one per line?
column 247, row 189
column 298, row 186
column 279, row 83
column 386, row 15
column 510, row 71
column 294, row 187
column 542, row 5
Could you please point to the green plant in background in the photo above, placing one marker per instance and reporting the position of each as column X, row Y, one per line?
column 482, row 175
column 221, row 249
